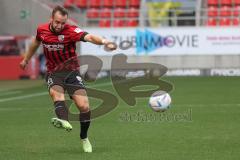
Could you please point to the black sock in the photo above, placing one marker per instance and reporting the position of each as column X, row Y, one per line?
column 61, row 110
column 85, row 119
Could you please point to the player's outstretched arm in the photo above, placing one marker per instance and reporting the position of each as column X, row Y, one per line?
column 100, row 41
column 30, row 52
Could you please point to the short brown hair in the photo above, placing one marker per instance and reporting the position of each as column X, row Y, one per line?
column 60, row 9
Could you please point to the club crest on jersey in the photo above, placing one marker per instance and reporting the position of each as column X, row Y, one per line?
column 77, row 30
column 61, row 38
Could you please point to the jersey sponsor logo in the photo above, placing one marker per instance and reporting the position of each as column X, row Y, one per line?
column 61, row 38
column 54, row 47
column 77, row 30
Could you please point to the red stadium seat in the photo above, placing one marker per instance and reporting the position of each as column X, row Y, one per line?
column 226, row 2
column 92, row 13
column 121, row 3
column 105, row 13
column 118, row 23
column 225, row 11
column 224, row 22
column 212, row 11
column 235, row 22
column 134, row 3
column 108, row 3
column 133, row 12
column 95, row 3
column 132, row 23
column 119, row 12
column 212, row 22
column 236, row 11
column 212, row 2
column 68, row 3
column 81, row 3
column 236, row 2
column 104, row 23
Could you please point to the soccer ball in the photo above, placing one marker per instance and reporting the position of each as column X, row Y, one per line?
column 160, row 101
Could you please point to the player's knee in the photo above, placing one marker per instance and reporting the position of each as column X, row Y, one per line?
column 57, row 96
column 83, row 106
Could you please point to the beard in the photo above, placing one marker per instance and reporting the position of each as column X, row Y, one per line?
column 53, row 29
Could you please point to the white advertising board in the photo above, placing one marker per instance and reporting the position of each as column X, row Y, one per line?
column 168, row 41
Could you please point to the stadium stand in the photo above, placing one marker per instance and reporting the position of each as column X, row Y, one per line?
column 235, row 22
column 211, row 22
column 132, row 12
column 212, row 11
column 212, row 2
column 132, row 23
column 81, row 3
column 223, row 12
column 121, row 3
column 93, row 13
column 118, row 23
column 104, row 23
column 153, row 13
column 114, row 12
column 105, row 13
column 94, row 3
column 107, row 3
column 224, row 21
column 134, row 3
column 68, row 3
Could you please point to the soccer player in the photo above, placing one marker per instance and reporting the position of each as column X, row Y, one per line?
column 59, row 43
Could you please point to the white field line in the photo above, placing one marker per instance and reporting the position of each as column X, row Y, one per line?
column 21, row 108
column 10, row 92
column 7, row 109
column 108, row 83
column 23, row 97
column 41, row 94
column 2, row 90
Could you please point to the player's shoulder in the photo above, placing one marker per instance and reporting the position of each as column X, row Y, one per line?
column 73, row 28
column 44, row 26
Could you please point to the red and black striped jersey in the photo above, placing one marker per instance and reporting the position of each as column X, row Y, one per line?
column 60, row 48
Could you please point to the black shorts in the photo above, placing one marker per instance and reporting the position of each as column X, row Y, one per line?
column 70, row 81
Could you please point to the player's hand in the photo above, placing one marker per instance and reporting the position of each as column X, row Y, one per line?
column 23, row 64
column 109, row 46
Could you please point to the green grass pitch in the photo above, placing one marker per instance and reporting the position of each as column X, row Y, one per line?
column 209, row 132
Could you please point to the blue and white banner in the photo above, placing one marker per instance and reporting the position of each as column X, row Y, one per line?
column 168, row 41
